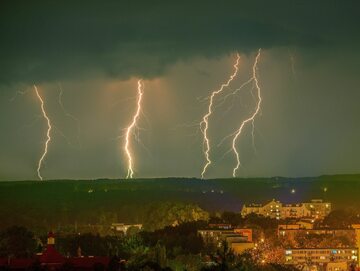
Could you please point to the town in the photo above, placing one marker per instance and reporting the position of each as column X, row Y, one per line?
column 179, row 135
column 270, row 236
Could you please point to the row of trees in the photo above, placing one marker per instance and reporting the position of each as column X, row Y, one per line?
column 171, row 248
column 178, row 246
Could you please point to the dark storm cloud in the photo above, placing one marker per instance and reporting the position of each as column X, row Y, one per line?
column 51, row 40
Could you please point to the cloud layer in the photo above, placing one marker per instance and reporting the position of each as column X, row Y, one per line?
column 51, row 40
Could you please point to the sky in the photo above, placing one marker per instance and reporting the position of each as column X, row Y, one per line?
column 96, row 51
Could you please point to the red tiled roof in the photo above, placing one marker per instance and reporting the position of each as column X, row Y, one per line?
column 51, row 256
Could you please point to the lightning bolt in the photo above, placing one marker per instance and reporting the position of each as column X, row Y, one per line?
column 130, row 128
column 204, row 124
column 48, row 137
column 69, row 115
column 251, row 118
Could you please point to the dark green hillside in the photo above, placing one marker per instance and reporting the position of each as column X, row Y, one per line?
column 69, row 202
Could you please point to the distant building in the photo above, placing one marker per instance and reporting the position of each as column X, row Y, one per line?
column 248, row 233
column 316, row 209
column 237, row 239
column 356, row 228
column 291, row 232
column 220, row 226
column 215, row 236
column 321, row 256
column 121, row 227
column 238, row 248
column 295, row 211
column 306, row 223
column 270, row 209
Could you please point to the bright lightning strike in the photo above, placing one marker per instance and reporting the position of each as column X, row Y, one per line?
column 48, row 137
column 253, row 115
column 130, row 128
column 204, row 124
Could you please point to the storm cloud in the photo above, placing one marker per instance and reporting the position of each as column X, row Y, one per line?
column 309, row 75
column 57, row 40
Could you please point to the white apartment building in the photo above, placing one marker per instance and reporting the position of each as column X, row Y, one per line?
column 321, row 256
column 315, row 209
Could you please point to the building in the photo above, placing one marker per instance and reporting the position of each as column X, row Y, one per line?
column 239, row 247
column 270, row 209
column 220, row 226
column 51, row 259
column 121, row 227
column 356, row 228
column 237, row 239
column 217, row 234
column 214, row 236
column 306, row 223
column 318, row 208
column 321, row 256
column 295, row 211
column 315, row 209
column 248, row 233
column 290, row 232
